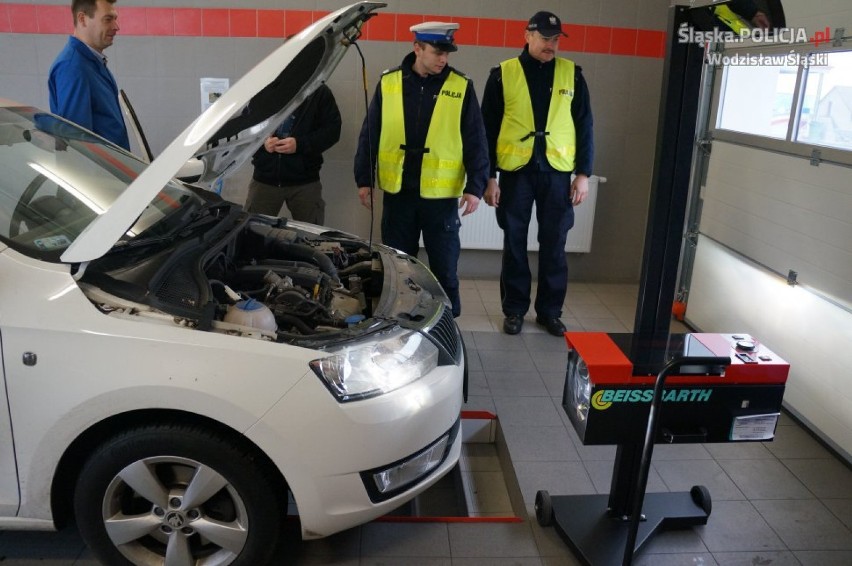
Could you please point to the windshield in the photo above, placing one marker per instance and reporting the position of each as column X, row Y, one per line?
column 56, row 178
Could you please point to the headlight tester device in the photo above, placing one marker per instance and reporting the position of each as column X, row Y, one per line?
column 635, row 390
column 715, row 388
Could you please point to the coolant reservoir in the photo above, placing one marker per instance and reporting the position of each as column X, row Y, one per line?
column 251, row 313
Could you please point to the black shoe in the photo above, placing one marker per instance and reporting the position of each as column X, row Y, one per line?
column 552, row 325
column 513, row 323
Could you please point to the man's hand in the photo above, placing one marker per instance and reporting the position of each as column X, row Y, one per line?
column 760, row 20
column 492, row 193
column 280, row 145
column 579, row 189
column 469, row 202
column 365, row 195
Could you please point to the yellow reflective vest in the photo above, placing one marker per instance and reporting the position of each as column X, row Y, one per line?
column 731, row 19
column 442, row 174
column 517, row 131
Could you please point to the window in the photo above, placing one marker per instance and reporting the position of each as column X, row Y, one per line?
column 757, row 100
column 826, row 113
column 793, row 98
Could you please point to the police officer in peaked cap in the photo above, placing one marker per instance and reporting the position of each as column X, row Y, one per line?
column 422, row 144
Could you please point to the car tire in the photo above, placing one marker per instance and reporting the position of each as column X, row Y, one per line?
column 179, row 494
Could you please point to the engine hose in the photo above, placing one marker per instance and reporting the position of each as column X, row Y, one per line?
column 294, row 296
column 300, row 310
column 300, row 307
column 357, row 267
column 287, row 292
column 281, row 240
column 300, row 325
column 301, row 251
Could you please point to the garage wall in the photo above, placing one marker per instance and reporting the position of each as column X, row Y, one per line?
column 165, row 47
column 730, row 293
column 784, row 214
column 815, row 16
column 765, row 213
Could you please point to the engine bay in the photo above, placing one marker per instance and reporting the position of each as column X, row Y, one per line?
column 252, row 276
column 309, row 283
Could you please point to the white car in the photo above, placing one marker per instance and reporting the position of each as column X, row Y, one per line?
column 172, row 366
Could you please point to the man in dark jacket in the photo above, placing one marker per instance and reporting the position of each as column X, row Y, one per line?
column 287, row 167
column 424, row 139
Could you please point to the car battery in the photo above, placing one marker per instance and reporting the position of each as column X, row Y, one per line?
column 605, row 389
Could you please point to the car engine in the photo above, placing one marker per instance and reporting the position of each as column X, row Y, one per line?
column 310, row 283
column 256, row 276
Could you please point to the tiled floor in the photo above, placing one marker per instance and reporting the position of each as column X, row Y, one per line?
column 786, row 502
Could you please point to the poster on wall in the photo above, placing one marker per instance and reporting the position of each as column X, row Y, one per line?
column 211, row 90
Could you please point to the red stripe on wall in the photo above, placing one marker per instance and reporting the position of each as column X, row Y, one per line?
column 4, row 19
column 188, row 22
column 134, row 21
column 270, row 23
column 296, row 20
column 386, row 26
column 161, row 21
column 23, row 18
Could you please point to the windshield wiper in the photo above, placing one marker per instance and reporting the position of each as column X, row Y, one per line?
column 211, row 208
column 208, row 213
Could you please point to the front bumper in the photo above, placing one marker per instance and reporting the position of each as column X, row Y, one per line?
column 385, row 482
column 323, row 447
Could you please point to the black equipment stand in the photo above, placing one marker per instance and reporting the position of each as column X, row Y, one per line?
column 606, row 530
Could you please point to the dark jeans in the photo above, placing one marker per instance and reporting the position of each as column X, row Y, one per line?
column 404, row 217
column 555, row 215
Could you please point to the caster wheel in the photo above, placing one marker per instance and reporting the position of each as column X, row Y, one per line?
column 701, row 497
column 543, row 508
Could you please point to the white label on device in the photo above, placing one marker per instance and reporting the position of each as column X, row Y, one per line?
column 754, row 427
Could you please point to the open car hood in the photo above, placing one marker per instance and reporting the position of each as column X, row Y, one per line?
column 234, row 127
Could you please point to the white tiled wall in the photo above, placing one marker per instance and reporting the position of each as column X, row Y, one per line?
column 162, row 74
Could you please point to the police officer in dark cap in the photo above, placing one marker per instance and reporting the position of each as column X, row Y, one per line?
column 538, row 121
column 424, row 143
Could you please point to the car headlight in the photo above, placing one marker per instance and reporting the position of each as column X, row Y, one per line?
column 370, row 369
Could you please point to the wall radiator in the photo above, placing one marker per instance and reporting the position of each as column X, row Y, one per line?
column 479, row 231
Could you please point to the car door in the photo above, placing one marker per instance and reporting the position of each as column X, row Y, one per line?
column 9, row 495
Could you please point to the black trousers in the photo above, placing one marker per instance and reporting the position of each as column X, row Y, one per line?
column 405, row 216
column 551, row 193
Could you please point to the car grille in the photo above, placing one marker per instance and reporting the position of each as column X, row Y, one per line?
column 446, row 335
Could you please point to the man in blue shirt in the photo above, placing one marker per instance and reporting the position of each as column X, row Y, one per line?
column 82, row 89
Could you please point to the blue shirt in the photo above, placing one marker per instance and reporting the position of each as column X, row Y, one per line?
column 84, row 91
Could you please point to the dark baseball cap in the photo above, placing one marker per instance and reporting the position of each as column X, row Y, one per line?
column 547, row 24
